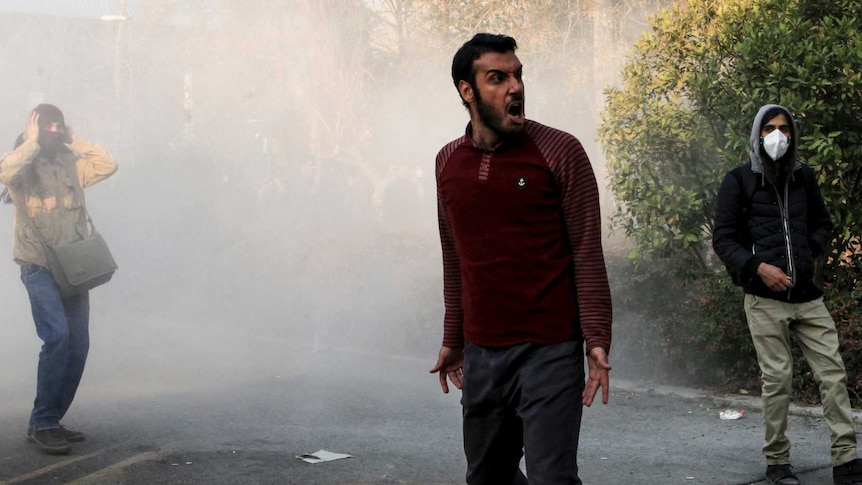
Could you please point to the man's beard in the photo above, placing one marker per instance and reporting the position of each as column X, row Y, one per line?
column 491, row 118
column 777, row 171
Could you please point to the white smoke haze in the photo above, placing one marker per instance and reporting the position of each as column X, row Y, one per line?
column 276, row 186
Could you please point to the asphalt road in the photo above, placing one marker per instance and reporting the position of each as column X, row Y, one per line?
column 242, row 419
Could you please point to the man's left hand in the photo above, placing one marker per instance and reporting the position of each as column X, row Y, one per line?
column 597, row 361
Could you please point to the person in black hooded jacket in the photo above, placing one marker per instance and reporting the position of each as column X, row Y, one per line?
column 771, row 226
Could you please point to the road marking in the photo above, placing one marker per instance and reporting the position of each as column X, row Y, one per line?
column 55, row 466
column 11, row 457
column 116, row 469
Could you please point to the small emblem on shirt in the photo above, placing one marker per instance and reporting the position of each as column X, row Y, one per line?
column 522, row 182
column 484, row 166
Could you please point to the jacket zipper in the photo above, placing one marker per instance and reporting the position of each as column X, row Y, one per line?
column 782, row 207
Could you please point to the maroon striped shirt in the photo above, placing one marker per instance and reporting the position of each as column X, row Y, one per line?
column 521, row 234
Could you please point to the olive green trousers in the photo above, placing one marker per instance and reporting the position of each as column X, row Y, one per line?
column 772, row 323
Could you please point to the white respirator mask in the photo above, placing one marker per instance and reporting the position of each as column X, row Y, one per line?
column 775, row 144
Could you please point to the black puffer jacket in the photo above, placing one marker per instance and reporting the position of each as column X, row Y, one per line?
column 784, row 222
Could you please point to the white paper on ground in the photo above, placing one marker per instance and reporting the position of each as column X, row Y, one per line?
column 321, row 456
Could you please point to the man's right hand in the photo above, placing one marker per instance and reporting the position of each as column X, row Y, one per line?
column 773, row 277
column 69, row 137
column 450, row 362
column 31, row 132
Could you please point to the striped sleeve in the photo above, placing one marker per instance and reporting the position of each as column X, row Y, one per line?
column 580, row 204
column 453, row 321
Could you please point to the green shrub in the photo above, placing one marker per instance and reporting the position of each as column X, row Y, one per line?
column 681, row 119
column 696, row 334
column 692, row 334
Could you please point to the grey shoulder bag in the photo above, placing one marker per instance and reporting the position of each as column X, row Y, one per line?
column 79, row 266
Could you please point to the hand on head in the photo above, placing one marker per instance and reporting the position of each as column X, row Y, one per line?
column 67, row 140
column 31, row 132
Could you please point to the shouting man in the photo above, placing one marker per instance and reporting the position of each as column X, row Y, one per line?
column 525, row 283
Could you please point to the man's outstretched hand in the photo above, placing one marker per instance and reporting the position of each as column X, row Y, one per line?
column 597, row 362
column 450, row 362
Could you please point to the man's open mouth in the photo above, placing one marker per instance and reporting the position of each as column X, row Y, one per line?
column 516, row 109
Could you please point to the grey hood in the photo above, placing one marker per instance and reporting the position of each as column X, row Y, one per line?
column 756, row 153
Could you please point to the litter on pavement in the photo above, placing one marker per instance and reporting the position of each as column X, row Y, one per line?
column 321, row 456
column 731, row 413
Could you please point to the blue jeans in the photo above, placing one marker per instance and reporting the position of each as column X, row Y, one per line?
column 63, row 325
column 523, row 398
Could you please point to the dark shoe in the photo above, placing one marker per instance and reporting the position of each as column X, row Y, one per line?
column 50, row 440
column 781, row 475
column 849, row 473
column 70, row 435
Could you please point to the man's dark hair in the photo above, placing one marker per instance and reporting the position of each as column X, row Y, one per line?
column 462, row 63
column 772, row 113
column 48, row 113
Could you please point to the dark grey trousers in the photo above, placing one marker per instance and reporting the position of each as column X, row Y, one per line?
column 523, row 400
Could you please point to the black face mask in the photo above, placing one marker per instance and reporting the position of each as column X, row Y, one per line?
column 51, row 142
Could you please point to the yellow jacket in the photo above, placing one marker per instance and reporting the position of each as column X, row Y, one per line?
column 51, row 192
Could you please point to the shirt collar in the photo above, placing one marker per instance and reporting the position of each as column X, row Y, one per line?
column 506, row 142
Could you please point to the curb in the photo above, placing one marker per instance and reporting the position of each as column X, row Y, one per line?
column 726, row 401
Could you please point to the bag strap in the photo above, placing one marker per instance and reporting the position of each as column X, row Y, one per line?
column 748, row 182
column 72, row 171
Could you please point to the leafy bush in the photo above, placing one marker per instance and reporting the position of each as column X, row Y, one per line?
column 696, row 334
column 684, row 333
column 681, row 120
column 848, row 319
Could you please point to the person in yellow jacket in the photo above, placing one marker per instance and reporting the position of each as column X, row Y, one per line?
column 44, row 177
